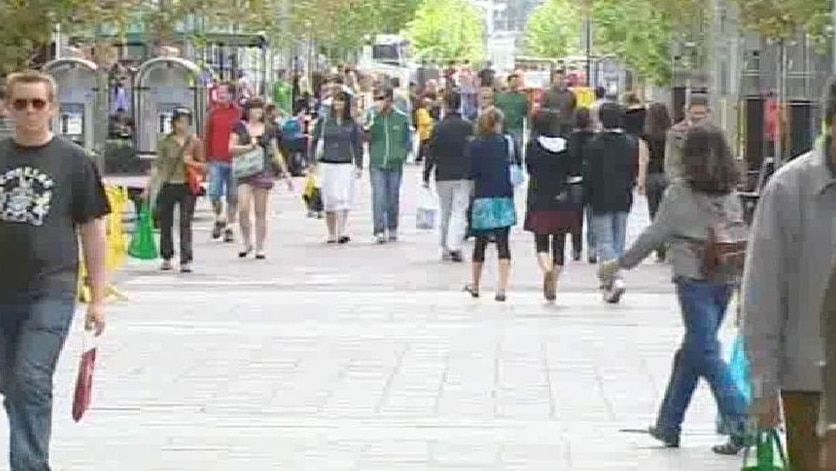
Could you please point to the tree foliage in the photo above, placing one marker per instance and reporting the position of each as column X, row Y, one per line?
column 785, row 19
column 444, row 30
column 638, row 32
column 27, row 27
column 343, row 25
column 554, row 29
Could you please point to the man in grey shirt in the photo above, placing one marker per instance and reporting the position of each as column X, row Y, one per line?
column 788, row 266
column 695, row 113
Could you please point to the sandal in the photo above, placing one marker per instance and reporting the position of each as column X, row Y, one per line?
column 474, row 292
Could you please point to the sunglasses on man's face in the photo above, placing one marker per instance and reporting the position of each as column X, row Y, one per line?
column 22, row 104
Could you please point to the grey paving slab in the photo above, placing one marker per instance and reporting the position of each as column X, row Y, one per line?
column 370, row 357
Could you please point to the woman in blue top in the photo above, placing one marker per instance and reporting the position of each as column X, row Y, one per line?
column 493, row 213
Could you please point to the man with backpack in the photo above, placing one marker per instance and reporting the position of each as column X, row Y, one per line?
column 790, row 257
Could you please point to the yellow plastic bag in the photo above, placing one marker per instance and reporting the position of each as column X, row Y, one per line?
column 311, row 185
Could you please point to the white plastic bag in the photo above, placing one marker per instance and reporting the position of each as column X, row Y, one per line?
column 427, row 214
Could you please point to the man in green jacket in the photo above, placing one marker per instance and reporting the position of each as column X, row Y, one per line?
column 514, row 105
column 389, row 138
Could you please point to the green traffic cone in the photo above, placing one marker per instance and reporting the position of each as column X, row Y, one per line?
column 143, row 246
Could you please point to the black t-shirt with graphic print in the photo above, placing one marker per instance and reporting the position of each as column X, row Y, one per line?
column 45, row 193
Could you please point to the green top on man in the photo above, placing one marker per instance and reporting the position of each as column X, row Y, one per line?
column 514, row 106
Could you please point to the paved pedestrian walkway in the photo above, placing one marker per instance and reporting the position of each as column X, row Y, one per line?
column 366, row 357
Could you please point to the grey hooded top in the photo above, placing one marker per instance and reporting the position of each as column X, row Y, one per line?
column 683, row 221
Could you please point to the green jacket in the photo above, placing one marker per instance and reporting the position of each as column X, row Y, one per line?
column 390, row 139
column 514, row 105
column 282, row 96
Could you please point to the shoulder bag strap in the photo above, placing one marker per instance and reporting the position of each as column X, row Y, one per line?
column 511, row 153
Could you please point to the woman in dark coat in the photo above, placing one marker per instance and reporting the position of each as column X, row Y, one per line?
column 553, row 209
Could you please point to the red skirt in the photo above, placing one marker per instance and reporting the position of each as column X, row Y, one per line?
column 553, row 222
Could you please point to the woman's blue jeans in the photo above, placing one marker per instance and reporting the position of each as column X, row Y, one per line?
column 703, row 305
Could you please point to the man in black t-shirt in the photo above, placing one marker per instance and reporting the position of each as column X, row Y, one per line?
column 50, row 195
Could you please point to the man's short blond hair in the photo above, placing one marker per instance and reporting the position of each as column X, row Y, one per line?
column 30, row 77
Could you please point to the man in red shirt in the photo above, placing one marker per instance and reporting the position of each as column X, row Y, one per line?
column 223, row 116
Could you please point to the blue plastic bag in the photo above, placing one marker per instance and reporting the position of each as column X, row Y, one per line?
column 740, row 372
column 740, row 369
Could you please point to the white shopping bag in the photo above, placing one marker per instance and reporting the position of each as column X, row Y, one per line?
column 427, row 213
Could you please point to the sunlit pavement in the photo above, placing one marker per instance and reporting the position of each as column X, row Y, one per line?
column 367, row 357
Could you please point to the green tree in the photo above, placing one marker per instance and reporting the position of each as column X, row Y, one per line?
column 335, row 25
column 342, row 26
column 391, row 16
column 782, row 20
column 554, row 29
column 637, row 33
column 27, row 25
column 444, row 30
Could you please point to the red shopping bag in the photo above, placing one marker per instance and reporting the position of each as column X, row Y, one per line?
column 84, row 380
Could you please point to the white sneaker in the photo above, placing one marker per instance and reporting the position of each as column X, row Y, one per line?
column 614, row 293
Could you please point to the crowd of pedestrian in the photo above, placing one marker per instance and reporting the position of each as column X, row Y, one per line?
column 480, row 141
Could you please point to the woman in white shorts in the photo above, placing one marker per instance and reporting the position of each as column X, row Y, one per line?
column 339, row 153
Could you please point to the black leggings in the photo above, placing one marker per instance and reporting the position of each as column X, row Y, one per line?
column 554, row 243
column 500, row 236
